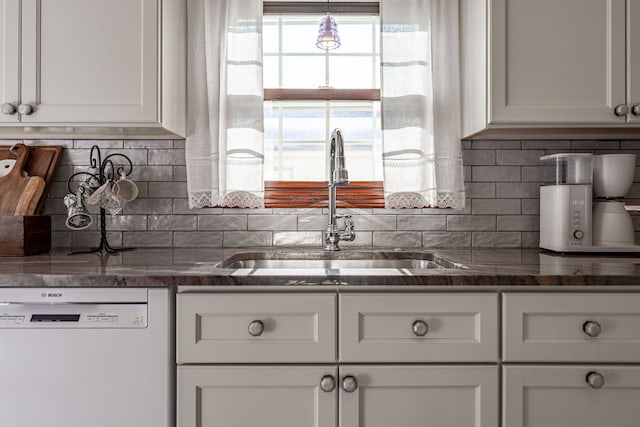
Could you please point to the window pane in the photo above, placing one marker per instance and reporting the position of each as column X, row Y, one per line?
column 296, row 136
column 299, row 34
column 270, row 71
column 303, row 72
column 356, row 37
column 297, row 132
column 270, row 31
column 294, row 162
column 355, row 64
column 350, row 72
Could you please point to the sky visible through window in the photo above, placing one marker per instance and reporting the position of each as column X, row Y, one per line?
column 296, row 132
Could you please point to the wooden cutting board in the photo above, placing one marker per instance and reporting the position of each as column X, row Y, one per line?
column 43, row 162
column 19, row 194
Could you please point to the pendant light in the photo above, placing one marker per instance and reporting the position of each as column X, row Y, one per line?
column 328, row 34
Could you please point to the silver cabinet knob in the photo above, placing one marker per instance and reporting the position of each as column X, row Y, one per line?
column 635, row 110
column 621, row 110
column 591, row 328
column 25, row 109
column 420, row 328
column 256, row 328
column 349, row 384
column 595, row 380
column 328, row 383
column 8, row 108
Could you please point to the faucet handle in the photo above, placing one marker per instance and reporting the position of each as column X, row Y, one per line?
column 345, row 216
column 348, row 223
column 349, row 233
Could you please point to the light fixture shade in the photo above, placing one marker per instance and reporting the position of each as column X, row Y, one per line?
column 328, row 34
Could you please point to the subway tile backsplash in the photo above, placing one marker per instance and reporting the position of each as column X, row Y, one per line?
column 502, row 184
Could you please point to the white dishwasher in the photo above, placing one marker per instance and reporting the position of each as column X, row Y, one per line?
column 78, row 357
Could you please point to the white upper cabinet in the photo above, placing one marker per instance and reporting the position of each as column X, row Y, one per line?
column 549, row 63
column 9, row 65
column 89, row 61
column 633, row 62
column 92, row 63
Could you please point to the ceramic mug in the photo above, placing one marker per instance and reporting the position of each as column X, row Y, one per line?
column 89, row 186
column 78, row 218
column 126, row 189
column 107, row 199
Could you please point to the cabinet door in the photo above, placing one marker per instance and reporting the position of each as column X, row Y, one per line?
column 560, row 396
column 9, row 57
column 633, row 52
column 557, row 61
column 416, row 396
column 90, row 61
column 269, row 396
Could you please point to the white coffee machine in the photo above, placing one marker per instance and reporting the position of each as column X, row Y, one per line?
column 581, row 210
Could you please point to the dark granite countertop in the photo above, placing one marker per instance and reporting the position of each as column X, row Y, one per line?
column 198, row 267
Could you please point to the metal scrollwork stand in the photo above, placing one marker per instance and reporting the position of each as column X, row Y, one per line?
column 105, row 170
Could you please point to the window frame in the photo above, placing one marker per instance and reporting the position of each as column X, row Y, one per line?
column 305, row 194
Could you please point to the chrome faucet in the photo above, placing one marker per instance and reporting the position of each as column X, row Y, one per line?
column 338, row 175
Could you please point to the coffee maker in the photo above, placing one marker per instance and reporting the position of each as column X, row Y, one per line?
column 581, row 208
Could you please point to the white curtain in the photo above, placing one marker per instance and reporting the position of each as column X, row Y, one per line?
column 224, row 149
column 422, row 154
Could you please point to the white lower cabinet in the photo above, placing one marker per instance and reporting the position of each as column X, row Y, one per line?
column 231, row 373
column 307, row 396
column 408, row 359
column 571, row 396
column 255, row 396
column 563, row 356
column 418, row 328
column 415, row 396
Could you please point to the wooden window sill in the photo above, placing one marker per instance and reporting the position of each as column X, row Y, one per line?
column 315, row 194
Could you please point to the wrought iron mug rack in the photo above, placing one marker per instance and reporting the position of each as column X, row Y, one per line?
column 105, row 170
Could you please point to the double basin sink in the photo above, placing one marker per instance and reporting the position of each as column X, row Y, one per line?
column 335, row 263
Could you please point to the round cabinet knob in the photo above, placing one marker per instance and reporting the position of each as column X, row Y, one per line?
column 621, row 110
column 595, row 380
column 420, row 328
column 635, row 110
column 256, row 328
column 591, row 328
column 327, row 383
column 8, row 108
column 349, row 384
column 25, row 109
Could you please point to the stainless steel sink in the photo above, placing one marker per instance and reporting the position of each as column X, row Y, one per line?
column 336, row 263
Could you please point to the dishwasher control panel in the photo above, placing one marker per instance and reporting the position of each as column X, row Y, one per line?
column 73, row 315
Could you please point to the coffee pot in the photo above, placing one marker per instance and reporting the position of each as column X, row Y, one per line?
column 581, row 209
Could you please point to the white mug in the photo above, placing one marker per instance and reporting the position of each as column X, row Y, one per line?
column 107, row 199
column 126, row 189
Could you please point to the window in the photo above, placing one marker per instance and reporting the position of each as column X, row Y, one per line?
column 309, row 92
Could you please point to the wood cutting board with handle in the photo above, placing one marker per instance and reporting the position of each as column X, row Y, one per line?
column 19, row 194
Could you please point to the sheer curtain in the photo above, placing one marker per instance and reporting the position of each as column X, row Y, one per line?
column 224, row 149
column 422, row 153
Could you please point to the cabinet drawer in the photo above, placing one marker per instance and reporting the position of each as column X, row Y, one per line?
column 571, row 327
column 418, row 328
column 256, row 328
